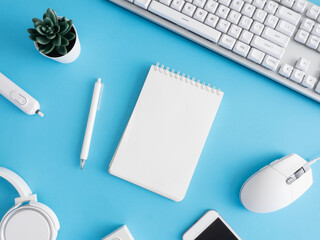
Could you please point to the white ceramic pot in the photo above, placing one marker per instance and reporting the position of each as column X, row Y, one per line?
column 70, row 56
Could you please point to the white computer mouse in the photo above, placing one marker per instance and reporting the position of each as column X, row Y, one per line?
column 277, row 185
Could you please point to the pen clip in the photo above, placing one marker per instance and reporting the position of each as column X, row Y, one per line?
column 102, row 85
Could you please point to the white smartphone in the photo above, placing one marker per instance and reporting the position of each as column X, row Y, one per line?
column 210, row 226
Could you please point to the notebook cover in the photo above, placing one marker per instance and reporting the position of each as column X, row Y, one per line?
column 165, row 135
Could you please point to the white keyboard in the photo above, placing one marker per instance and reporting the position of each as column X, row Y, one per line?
column 279, row 39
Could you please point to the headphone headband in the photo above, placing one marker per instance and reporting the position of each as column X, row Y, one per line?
column 16, row 181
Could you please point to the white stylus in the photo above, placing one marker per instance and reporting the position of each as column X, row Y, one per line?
column 92, row 115
column 19, row 97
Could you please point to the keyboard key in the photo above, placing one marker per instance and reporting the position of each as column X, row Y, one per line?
column 237, row 5
column 299, row 5
column 211, row 20
column 301, row 36
column 245, row 22
column 199, row 3
column 222, row 11
column 248, row 1
column 234, row 31
column 286, row 70
column 271, row 21
column 241, row 48
column 307, row 24
column 267, row 47
column 211, row 6
column 246, row 36
column 200, row 14
column 189, row 9
column 287, row 3
column 256, row 28
column 248, row 10
column 313, row 12
column 303, row 64
column 227, row 41
column 256, row 55
column 225, row 2
column 318, row 88
column 259, row 15
column 166, row 2
column 316, row 30
column 270, row 63
column 259, row 3
column 285, row 28
column 143, row 3
column 234, row 17
column 297, row 75
column 177, row 4
column 309, row 81
column 288, row 15
column 185, row 21
column 275, row 37
column 223, row 25
column 271, row 7
column 313, row 42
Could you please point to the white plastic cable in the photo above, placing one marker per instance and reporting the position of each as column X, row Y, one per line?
column 314, row 160
column 19, row 184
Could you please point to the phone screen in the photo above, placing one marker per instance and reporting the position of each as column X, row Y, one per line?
column 217, row 231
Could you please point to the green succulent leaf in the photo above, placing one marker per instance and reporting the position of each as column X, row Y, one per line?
column 33, row 37
column 62, row 50
column 52, row 15
column 51, row 36
column 70, row 36
column 64, row 41
column 37, row 21
column 48, row 21
column 57, row 41
column 39, row 29
column 42, row 40
column 41, row 47
column 56, row 28
column 63, row 27
column 70, row 25
column 32, row 31
column 48, row 48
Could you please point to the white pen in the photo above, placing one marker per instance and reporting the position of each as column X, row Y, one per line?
column 92, row 115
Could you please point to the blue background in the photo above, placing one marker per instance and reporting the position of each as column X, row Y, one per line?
column 258, row 122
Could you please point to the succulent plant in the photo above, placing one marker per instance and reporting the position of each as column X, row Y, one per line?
column 52, row 33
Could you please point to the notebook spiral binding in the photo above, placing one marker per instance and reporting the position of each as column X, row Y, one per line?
column 186, row 79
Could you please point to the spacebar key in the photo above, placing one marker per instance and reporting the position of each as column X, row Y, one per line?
column 184, row 21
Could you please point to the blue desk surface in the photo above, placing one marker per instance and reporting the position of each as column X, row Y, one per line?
column 258, row 121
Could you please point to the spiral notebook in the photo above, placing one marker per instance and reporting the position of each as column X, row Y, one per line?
column 164, row 138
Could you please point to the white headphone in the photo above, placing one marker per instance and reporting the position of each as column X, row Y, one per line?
column 28, row 219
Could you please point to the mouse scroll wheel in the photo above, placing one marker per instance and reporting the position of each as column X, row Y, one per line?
column 299, row 173
column 296, row 175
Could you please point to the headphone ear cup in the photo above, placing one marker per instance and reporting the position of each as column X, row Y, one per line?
column 50, row 213
column 28, row 222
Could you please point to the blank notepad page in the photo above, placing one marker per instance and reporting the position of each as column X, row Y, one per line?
column 167, row 130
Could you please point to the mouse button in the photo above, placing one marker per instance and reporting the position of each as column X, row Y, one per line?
column 301, row 185
column 289, row 165
column 266, row 191
column 279, row 160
